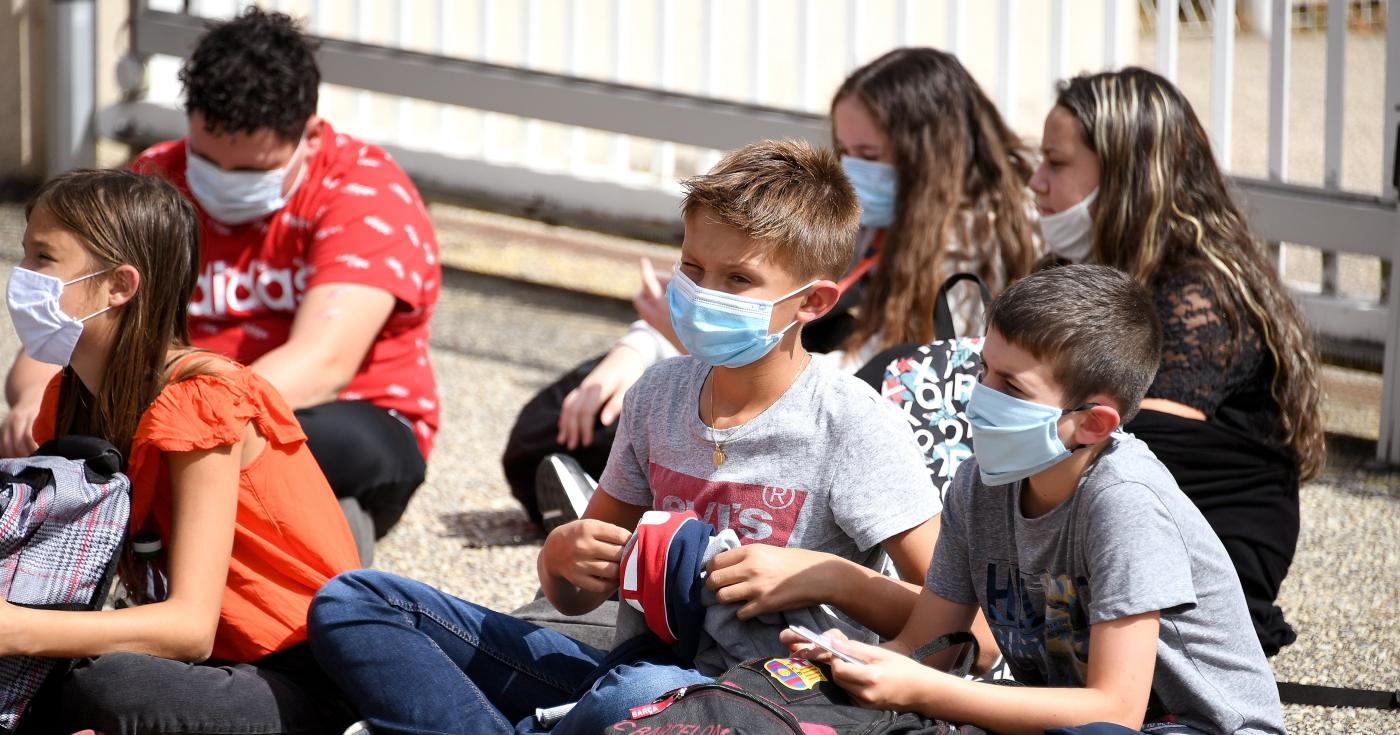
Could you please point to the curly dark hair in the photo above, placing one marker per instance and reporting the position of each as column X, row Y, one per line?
column 255, row 71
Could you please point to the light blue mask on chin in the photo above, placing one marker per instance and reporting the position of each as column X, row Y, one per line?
column 1013, row 439
column 721, row 329
column 876, row 185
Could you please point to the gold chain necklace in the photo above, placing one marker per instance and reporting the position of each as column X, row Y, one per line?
column 717, row 455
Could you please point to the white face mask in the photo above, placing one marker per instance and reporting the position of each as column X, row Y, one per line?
column 237, row 197
column 47, row 333
column 1070, row 234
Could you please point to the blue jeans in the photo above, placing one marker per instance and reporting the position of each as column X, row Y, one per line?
column 414, row 660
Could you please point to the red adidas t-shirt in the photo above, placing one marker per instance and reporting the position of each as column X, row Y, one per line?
column 354, row 218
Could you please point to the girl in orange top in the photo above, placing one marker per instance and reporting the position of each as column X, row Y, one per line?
column 219, row 470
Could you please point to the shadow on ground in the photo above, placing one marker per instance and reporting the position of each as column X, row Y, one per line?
column 1353, row 468
column 487, row 528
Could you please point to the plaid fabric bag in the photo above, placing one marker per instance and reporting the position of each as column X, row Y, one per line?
column 62, row 522
column 932, row 383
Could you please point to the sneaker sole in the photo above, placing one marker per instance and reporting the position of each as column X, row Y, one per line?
column 561, row 492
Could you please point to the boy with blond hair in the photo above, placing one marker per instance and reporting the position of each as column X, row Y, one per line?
column 813, row 473
column 1106, row 590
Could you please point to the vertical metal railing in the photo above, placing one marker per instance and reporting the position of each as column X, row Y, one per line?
column 486, row 51
column 530, row 46
column 1112, row 35
column 1006, row 60
column 819, row 53
column 1168, row 38
column 1059, row 48
column 666, row 41
column 1222, row 76
column 957, row 27
column 1335, row 100
column 1280, row 46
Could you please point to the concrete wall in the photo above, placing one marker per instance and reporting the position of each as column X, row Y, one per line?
column 23, row 88
column 22, row 93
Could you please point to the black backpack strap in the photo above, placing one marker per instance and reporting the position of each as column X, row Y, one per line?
column 1324, row 696
column 962, row 637
column 99, row 457
column 943, row 314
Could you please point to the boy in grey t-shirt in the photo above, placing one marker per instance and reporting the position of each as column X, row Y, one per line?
column 808, row 468
column 811, row 470
column 1106, row 590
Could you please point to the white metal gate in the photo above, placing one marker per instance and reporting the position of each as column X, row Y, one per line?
column 650, row 132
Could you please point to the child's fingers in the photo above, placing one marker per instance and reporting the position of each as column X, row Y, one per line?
column 614, row 536
column 733, row 593
column 589, row 583
column 650, row 285
column 599, row 568
column 812, row 653
column 567, row 436
column 862, row 651
column 612, row 409
column 726, row 559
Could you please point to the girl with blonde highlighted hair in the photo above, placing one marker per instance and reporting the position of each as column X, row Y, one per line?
column 1129, row 180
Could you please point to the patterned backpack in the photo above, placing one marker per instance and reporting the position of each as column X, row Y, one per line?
column 776, row 695
column 931, row 384
column 63, row 516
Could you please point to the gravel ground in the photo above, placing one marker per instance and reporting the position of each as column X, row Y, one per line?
column 496, row 342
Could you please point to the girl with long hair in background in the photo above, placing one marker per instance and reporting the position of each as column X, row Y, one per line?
column 1129, row 180
column 942, row 183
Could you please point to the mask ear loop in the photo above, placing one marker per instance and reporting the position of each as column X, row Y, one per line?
column 789, row 295
column 1077, row 409
column 94, row 274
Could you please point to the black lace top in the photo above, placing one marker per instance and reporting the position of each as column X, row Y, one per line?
column 1208, row 363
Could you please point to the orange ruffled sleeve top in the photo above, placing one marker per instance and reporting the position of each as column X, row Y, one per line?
column 290, row 536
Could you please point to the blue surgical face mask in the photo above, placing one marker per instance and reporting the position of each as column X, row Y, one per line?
column 876, row 185
column 1013, row 439
column 721, row 329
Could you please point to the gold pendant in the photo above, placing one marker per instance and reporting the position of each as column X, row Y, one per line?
column 717, row 456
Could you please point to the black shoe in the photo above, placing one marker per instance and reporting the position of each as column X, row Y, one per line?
column 361, row 529
column 562, row 490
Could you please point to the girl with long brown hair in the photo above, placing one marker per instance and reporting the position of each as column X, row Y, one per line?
column 956, row 177
column 1129, row 180
column 942, row 183
column 221, row 480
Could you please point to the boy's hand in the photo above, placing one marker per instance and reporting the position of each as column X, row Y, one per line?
column 652, row 304
column 888, row 679
column 598, row 397
column 16, row 430
column 768, row 578
column 585, row 553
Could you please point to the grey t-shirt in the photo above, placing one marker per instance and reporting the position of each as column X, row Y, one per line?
column 828, row 467
column 1128, row 541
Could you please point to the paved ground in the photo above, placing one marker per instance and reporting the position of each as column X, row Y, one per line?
column 495, row 342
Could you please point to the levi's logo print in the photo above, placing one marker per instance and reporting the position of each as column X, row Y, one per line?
column 755, row 512
column 1040, row 624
